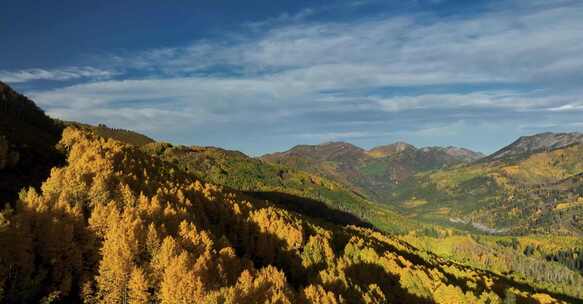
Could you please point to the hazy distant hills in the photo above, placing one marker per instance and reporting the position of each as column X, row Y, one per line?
column 375, row 172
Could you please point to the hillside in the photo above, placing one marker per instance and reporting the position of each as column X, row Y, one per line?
column 375, row 173
column 119, row 225
column 27, row 144
column 537, row 143
column 538, row 192
column 301, row 191
column 125, row 136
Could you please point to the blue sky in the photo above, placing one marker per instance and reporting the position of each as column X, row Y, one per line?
column 263, row 76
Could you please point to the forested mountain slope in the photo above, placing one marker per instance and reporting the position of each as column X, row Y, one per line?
column 117, row 225
column 376, row 172
column 298, row 190
column 27, row 144
column 125, row 136
column 526, row 145
column 539, row 192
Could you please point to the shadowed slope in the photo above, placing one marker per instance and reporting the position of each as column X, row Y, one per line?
column 27, row 144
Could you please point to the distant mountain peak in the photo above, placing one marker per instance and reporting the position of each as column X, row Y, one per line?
column 339, row 144
column 326, row 147
column 538, row 142
column 324, row 151
column 457, row 152
column 387, row 150
column 400, row 147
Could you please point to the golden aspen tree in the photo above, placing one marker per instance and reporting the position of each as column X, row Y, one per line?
column 143, row 203
column 138, row 287
column 100, row 218
column 317, row 251
column 229, row 266
column 128, row 199
column 179, row 284
column 316, row 294
column 449, row 294
column 119, row 250
column 268, row 285
column 153, row 242
column 195, row 240
column 167, row 251
column 100, row 190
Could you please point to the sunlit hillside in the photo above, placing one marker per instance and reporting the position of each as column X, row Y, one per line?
column 301, row 191
column 375, row 172
column 538, row 192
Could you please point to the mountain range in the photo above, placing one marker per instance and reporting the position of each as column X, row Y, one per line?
column 533, row 184
column 375, row 172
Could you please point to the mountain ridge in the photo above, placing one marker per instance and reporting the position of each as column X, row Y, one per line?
column 376, row 151
column 375, row 171
column 27, row 143
column 537, row 142
column 241, row 172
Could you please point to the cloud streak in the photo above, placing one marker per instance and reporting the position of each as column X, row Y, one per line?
column 69, row 73
column 532, row 45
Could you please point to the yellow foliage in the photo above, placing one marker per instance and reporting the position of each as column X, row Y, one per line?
column 138, row 287
column 316, row 294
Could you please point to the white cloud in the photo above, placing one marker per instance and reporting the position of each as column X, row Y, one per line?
column 532, row 43
column 506, row 100
column 568, row 108
column 55, row 74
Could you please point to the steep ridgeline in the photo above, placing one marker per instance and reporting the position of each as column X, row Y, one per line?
column 535, row 185
column 375, row 173
column 27, row 144
column 117, row 225
column 125, row 136
column 28, row 141
column 527, row 145
column 297, row 190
